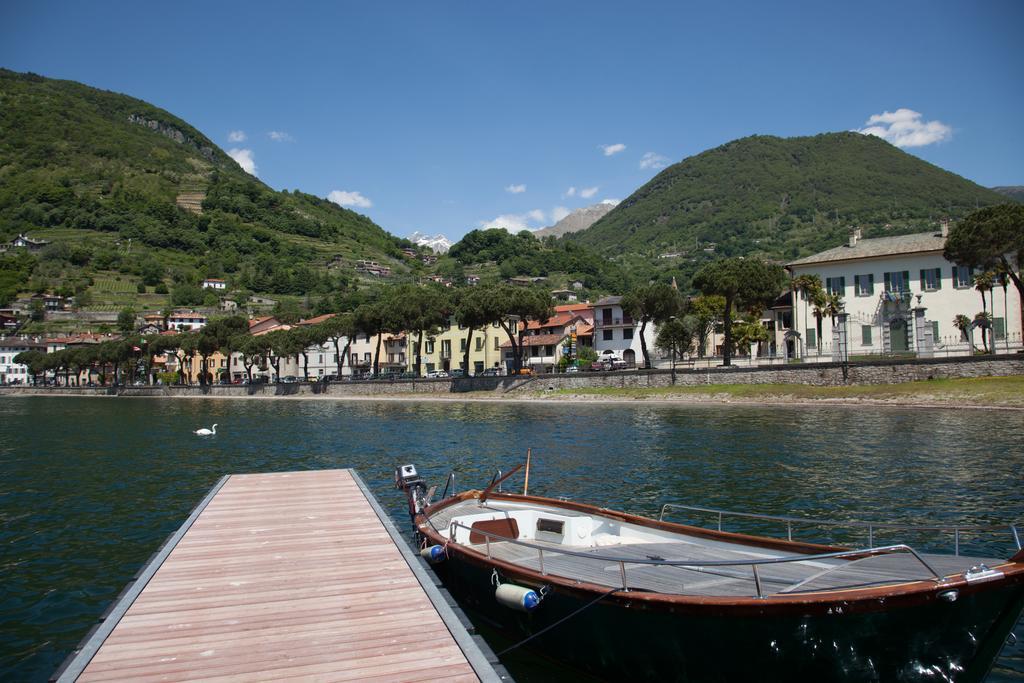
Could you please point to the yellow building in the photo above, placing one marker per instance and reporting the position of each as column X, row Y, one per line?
column 446, row 349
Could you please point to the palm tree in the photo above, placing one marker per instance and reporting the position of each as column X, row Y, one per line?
column 983, row 282
column 806, row 285
column 819, row 305
column 984, row 321
column 962, row 323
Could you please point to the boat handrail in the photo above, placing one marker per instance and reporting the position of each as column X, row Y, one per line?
column 859, row 553
column 956, row 529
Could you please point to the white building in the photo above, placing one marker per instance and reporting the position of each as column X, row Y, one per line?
column 186, row 321
column 11, row 372
column 901, row 296
column 215, row 284
column 615, row 330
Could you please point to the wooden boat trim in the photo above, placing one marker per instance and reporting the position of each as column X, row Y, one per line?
column 853, row 599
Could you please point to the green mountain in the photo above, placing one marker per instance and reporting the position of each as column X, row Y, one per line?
column 1014, row 192
column 782, row 198
column 126, row 191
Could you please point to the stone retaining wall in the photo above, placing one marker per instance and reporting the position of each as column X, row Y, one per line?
column 818, row 374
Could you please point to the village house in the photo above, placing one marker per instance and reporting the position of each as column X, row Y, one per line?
column 445, row 350
column 544, row 343
column 215, row 284
column 901, row 296
column 617, row 333
column 10, row 371
column 186, row 321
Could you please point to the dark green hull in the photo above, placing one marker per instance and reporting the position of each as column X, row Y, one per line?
column 899, row 638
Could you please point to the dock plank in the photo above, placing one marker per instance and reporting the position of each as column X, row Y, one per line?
column 283, row 576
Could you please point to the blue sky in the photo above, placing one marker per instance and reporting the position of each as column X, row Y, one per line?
column 444, row 117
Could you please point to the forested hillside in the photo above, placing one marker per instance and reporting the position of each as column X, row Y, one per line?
column 122, row 188
column 783, row 198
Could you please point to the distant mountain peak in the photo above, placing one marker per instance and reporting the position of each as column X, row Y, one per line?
column 438, row 242
column 580, row 219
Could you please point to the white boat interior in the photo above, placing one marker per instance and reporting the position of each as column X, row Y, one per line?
column 604, row 551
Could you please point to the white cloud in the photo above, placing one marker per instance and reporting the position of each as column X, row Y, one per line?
column 905, row 128
column 653, row 160
column 345, row 198
column 237, row 136
column 571, row 192
column 515, row 222
column 244, row 159
column 612, row 149
column 588, row 192
column 280, row 136
column 515, row 189
column 558, row 213
column 613, row 202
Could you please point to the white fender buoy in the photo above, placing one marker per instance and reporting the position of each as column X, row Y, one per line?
column 516, row 597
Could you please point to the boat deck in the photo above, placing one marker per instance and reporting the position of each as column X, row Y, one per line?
column 728, row 581
column 280, row 576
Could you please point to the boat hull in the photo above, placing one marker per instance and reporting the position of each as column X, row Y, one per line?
column 901, row 638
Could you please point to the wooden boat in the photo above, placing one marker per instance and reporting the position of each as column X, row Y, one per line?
column 632, row 598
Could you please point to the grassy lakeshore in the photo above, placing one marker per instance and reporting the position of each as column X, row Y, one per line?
column 996, row 392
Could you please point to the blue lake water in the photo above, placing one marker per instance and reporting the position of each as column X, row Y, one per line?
column 90, row 487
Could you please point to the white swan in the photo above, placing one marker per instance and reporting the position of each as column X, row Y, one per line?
column 207, row 432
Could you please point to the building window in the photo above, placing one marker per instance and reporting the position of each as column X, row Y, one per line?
column 497, row 344
column 835, row 285
column 999, row 328
column 935, row 331
column 430, row 346
column 462, row 346
column 446, row 348
column 480, row 344
column 897, row 281
column 931, row 279
column 607, row 335
column 812, row 340
column 865, row 335
column 864, row 285
column 627, row 333
column 366, row 357
column 961, row 277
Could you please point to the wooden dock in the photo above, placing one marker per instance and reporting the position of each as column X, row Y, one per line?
column 296, row 575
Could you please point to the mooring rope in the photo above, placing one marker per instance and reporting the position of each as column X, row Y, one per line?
column 560, row 621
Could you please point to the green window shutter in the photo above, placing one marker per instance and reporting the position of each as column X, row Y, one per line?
column 906, row 281
column 938, row 278
column 923, row 281
column 888, row 282
column 999, row 328
column 935, row 331
column 811, row 340
column 865, row 335
column 871, row 283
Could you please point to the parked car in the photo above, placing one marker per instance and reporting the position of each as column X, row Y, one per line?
column 490, row 372
column 525, row 371
column 436, row 374
column 572, row 368
column 289, row 379
column 458, row 372
column 407, row 375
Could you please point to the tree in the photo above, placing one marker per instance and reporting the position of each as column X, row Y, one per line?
column 126, row 320
column 706, row 310
column 989, row 237
column 983, row 282
column 749, row 331
column 283, row 344
column 432, row 307
column 37, row 311
column 740, row 281
column 656, row 302
column 677, row 335
column 475, row 307
column 518, row 305
column 216, row 336
column 962, row 323
column 372, row 319
column 807, row 286
column 983, row 321
column 336, row 328
column 34, row 360
column 309, row 336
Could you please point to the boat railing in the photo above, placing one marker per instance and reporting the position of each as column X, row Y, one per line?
column 698, row 565
column 956, row 529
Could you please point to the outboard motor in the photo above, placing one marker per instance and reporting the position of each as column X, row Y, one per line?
column 409, row 480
